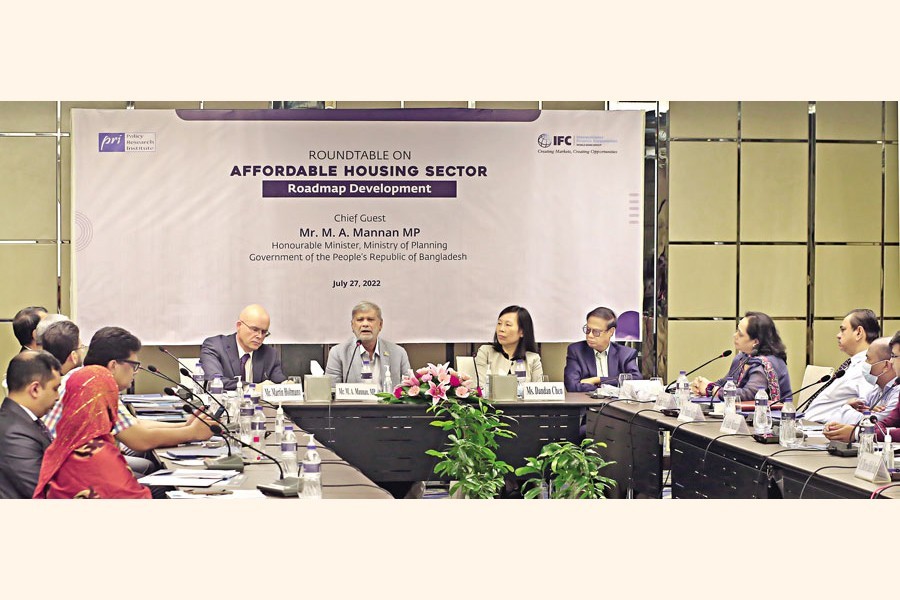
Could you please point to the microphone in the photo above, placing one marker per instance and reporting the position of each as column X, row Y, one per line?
column 837, row 375
column 846, row 448
column 477, row 382
column 355, row 352
column 158, row 373
column 184, row 370
column 792, row 393
column 715, row 358
column 283, row 486
column 222, row 408
column 222, row 462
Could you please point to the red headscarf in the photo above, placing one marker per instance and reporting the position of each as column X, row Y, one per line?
column 89, row 411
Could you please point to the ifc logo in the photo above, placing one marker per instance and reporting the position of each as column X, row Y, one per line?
column 544, row 140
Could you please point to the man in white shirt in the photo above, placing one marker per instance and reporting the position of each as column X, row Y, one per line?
column 858, row 329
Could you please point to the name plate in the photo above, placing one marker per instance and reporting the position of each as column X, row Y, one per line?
column 545, row 391
column 284, row 393
column 664, row 401
column 691, row 412
column 871, row 467
column 356, row 391
column 734, row 423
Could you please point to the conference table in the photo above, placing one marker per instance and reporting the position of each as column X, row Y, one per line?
column 705, row 463
column 340, row 478
column 388, row 441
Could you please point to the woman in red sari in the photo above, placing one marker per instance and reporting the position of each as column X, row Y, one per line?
column 84, row 461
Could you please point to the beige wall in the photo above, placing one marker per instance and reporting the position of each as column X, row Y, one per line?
column 740, row 198
column 739, row 203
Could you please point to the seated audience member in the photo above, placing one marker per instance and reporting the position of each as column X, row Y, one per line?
column 513, row 340
column 857, row 330
column 45, row 322
column 878, row 371
column 597, row 359
column 84, row 461
column 33, row 379
column 63, row 340
column 844, row 432
column 24, row 324
column 759, row 364
column 116, row 349
column 346, row 359
column 243, row 353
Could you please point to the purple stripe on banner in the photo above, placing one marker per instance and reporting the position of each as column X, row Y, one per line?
column 363, row 114
column 359, row 189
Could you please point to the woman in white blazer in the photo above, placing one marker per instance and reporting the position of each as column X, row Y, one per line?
column 513, row 340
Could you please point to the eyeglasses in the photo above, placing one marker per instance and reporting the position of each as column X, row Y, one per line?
column 594, row 332
column 136, row 365
column 264, row 332
column 894, row 356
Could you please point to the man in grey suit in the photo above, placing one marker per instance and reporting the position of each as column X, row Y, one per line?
column 33, row 379
column 243, row 352
column 345, row 366
column 345, row 361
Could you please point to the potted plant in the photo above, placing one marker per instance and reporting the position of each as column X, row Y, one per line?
column 473, row 425
column 569, row 470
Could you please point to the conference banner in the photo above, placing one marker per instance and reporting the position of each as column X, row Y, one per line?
column 441, row 216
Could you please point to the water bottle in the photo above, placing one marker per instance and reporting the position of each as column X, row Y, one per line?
column 312, row 472
column 198, row 376
column 520, row 376
column 258, row 427
column 216, row 389
column 233, row 406
column 762, row 418
column 866, row 435
column 729, row 395
column 289, row 452
column 888, row 451
column 251, row 452
column 682, row 390
column 486, row 385
column 366, row 369
column 246, row 414
column 279, row 423
column 254, row 393
column 388, row 384
column 787, row 431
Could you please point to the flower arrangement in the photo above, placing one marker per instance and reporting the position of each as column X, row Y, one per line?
column 433, row 384
column 473, row 426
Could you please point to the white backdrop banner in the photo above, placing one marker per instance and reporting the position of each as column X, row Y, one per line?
column 442, row 217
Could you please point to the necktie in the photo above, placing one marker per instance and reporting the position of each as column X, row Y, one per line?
column 44, row 429
column 843, row 367
column 244, row 360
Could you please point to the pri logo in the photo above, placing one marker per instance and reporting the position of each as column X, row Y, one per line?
column 545, row 140
column 112, row 142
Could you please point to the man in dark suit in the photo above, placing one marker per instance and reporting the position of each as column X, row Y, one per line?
column 597, row 359
column 243, row 353
column 33, row 379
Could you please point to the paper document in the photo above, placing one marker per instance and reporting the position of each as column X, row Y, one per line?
column 187, row 477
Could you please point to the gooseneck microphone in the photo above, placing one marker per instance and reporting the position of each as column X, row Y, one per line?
column 184, row 368
column 715, row 358
column 792, row 393
column 837, row 375
column 349, row 364
column 190, row 409
column 158, row 373
column 283, row 486
column 222, row 408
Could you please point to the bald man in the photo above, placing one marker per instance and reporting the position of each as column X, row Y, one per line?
column 243, row 353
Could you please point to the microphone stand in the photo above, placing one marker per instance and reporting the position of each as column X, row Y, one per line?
column 283, row 486
column 230, row 461
column 837, row 375
column 187, row 373
column 715, row 358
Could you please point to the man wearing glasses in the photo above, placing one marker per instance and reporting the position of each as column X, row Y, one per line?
column 243, row 354
column 116, row 349
column 597, row 359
